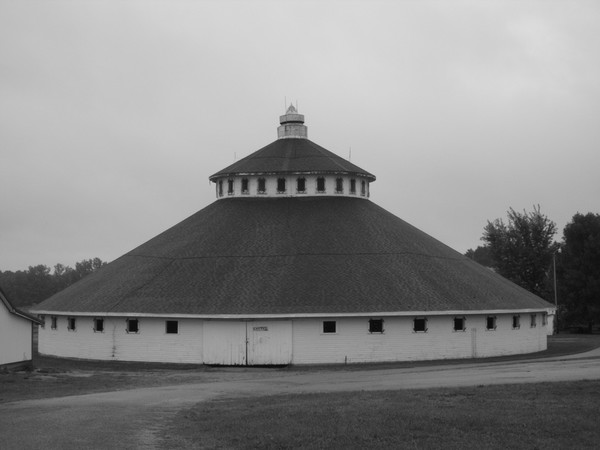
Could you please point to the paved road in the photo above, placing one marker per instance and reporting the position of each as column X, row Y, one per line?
column 129, row 419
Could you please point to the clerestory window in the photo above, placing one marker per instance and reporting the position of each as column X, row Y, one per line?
column 281, row 185
column 339, row 185
column 261, row 186
column 320, row 185
column 245, row 189
column 301, row 185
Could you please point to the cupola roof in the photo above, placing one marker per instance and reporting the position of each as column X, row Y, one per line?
column 292, row 153
column 287, row 156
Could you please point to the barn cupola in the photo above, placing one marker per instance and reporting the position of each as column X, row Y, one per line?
column 292, row 125
column 292, row 166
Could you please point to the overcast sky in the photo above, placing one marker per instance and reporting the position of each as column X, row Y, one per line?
column 114, row 114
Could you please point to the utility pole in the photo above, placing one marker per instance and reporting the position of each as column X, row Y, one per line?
column 555, row 292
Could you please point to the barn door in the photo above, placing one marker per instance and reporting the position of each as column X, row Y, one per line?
column 225, row 342
column 252, row 343
column 269, row 342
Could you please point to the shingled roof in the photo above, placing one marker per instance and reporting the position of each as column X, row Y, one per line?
column 17, row 312
column 286, row 156
column 291, row 256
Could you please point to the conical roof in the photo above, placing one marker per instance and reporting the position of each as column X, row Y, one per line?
column 291, row 257
column 291, row 155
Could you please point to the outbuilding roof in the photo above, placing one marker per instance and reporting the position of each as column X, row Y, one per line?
column 287, row 156
column 17, row 312
column 316, row 255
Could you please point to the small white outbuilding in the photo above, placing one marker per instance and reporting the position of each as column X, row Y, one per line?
column 16, row 335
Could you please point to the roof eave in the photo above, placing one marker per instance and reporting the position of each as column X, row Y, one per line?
column 367, row 175
column 549, row 310
column 17, row 312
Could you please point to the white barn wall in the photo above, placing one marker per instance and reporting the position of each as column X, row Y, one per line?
column 353, row 343
column 152, row 343
column 15, row 337
column 215, row 342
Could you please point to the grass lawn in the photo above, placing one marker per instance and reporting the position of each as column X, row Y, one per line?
column 528, row 416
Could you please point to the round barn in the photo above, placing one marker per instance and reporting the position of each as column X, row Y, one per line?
column 292, row 264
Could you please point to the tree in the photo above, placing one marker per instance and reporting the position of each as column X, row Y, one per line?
column 25, row 288
column 482, row 255
column 522, row 249
column 579, row 270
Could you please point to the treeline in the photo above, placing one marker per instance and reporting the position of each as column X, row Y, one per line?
column 567, row 272
column 37, row 283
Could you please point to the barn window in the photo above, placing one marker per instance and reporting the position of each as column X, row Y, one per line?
column 220, row 187
column 339, row 185
column 133, row 326
column 363, row 188
column 329, row 326
column 459, row 324
column 53, row 322
column 516, row 323
column 320, row 184
column 375, row 325
column 353, row 186
column 533, row 321
column 261, row 186
column 172, row 326
column 301, row 185
column 71, row 325
column 245, row 189
column 490, row 322
column 544, row 319
column 281, row 185
column 98, row 325
column 229, row 187
column 420, row 324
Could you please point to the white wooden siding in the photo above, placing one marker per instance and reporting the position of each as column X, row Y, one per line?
column 152, row 343
column 15, row 337
column 299, row 341
column 353, row 343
